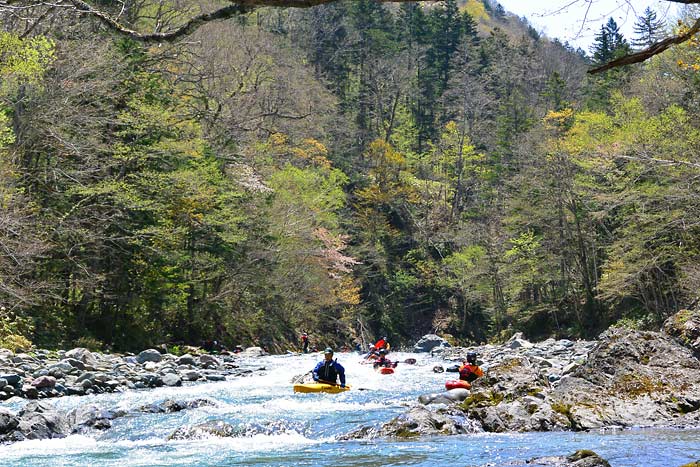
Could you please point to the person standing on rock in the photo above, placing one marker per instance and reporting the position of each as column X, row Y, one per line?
column 329, row 370
column 304, row 342
column 470, row 371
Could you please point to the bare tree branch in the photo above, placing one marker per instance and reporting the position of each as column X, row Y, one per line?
column 652, row 50
column 237, row 7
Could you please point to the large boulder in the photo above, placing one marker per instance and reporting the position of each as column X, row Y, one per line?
column 149, row 355
column 420, row 421
column 430, row 342
column 684, row 326
column 38, row 420
column 253, row 352
column 82, row 355
column 210, row 429
column 446, row 397
column 8, row 421
column 581, row 458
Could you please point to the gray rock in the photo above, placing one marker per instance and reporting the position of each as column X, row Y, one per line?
column 253, row 352
column 430, row 342
column 214, row 428
column 44, row 382
column 41, row 421
column 150, row 355
column 186, row 359
column 83, row 355
column 581, row 458
column 172, row 380
column 209, row 359
column 192, row 375
column 447, row 397
column 12, row 379
column 8, row 421
column 420, row 421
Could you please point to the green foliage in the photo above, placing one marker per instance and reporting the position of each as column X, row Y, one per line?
column 23, row 61
column 89, row 343
column 15, row 343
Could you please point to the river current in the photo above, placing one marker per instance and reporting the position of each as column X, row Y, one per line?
column 281, row 428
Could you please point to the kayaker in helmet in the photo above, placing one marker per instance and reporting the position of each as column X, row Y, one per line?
column 304, row 342
column 329, row 370
column 469, row 371
column 372, row 354
column 383, row 361
column 382, row 344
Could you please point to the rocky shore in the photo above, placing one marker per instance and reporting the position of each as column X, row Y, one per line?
column 45, row 375
column 624, row 379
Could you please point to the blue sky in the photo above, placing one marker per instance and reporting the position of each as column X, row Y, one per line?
column 563, row 18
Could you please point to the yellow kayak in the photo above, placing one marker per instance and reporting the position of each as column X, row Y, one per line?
column 320, row 387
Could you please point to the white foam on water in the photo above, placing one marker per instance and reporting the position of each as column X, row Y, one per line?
column 307, row 403
column 258, row 442
column 75, row 444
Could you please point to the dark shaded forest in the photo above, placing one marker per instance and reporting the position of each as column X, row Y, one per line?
column 350, row 170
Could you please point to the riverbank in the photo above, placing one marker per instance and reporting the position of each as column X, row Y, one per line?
column 624, row 379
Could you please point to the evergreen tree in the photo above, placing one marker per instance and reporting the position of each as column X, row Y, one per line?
column 609, row 43
column 648, row 28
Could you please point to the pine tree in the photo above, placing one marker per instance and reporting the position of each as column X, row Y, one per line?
column 609, row 43
column 648, row 29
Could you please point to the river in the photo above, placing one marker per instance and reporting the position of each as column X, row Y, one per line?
column 281, row 428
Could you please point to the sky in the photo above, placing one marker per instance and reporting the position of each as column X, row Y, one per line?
column 563, row 19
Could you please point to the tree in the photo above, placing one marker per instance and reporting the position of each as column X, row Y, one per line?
column 187, row 25
column 609, row 43
column 648, row 29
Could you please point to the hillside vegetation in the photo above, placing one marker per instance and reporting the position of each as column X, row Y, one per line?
column 350, row 170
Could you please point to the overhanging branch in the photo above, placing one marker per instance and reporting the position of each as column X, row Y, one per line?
column 236, row 7
column 653, row 49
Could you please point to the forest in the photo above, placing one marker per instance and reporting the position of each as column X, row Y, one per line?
column 350, row 170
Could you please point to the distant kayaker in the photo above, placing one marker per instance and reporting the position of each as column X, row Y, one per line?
column 382, row 344
column 372, row 354
column 470, row 371
column 304, row 342
column 382, row 361
column 329, row 370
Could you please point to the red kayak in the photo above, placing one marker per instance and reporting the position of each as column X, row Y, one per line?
column 385, row 370
column 457, row 383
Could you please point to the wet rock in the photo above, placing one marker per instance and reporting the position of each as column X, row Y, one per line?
column 420, row 421
column 446, row 397
column 90, row 416
column 216, row 428
column 581, row 458
column 8, row 421
column 41, row 421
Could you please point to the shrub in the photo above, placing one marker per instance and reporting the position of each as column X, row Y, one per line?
column 15, row 343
